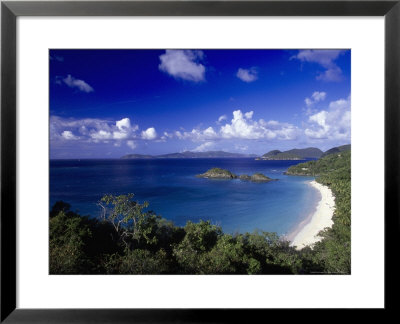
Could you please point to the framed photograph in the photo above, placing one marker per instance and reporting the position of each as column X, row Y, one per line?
column 188, row 156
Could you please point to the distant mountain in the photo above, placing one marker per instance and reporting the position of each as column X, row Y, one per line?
column 307, row 153
column 294, row 154
column 337, row 149
column 137, row 156
column 190, row 155
column 278, row 155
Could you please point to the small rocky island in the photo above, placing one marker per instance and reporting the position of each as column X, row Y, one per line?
column 218, row 173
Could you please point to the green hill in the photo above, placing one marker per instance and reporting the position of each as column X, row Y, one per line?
column 329, row 163
column 333, row 253
column 337, row 149
column 307, row 153
column 294, row 154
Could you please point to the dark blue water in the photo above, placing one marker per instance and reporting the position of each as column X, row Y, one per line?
column 173, row 191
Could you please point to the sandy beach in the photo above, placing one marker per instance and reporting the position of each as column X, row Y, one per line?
column 306, row 232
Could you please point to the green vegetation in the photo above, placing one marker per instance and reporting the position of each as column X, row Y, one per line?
column 337, row 149
column 259, row 177
column 130, row 239
column 333, row 253
column 218, row 173
column 294, row 154
column 278, row 155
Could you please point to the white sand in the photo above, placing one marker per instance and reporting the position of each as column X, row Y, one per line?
column 306, row 233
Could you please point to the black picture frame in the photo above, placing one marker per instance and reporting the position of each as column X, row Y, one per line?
column 10, row 10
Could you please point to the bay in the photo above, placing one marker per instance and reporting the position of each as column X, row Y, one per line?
column 175, row 193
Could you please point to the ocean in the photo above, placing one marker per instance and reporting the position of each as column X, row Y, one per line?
column 175, row 193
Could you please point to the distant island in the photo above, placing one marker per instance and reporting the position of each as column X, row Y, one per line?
column 190, row 155
column 218, row 173
column 302, row 154
column 294, row 154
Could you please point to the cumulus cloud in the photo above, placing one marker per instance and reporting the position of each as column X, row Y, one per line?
column 124, row 129
column 242, row 126
column 204, row 147
column 101, row 135
column 325, row 58
column 68, row 135
column 81, row 85
column 198, row 134
column 249, row 115
column 123, row 124
column 332, row 123
column 318, row 96
column 315, row 98
column 183, row 64
column 91, row 129
column 247, row 75
column 149, row 134
column 131, row 144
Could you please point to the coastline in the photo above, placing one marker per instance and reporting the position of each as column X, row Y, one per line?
column 306, row 232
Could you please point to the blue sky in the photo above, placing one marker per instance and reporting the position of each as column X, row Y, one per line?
column 107, row 103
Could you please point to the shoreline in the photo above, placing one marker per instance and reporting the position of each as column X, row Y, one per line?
column 306, row 232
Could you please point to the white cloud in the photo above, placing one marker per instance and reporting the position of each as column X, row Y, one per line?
column 183, row 64
column 91, row 129
column 308, row 102
column 209, row 133
column 123, row 124
column 333, row 123
column 149, row 134
column 68, row 135
column 222, row 118
column 249, row 115
column 124, row 129
column 131, row 144
column 179, row 135
column 315, row 97
column 101, row 135
column 333, row 74
column 322, row 57
column 247, row 75
column 242, row 126
column 318, row 96
column 326, row 59
column 204, row 147
column 71, row 82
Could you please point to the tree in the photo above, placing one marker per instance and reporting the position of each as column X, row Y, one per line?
column 132, row 224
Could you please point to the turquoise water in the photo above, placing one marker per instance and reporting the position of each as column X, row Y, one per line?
column 173, row 191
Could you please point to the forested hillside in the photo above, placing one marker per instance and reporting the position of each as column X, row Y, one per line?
column 333, row 170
